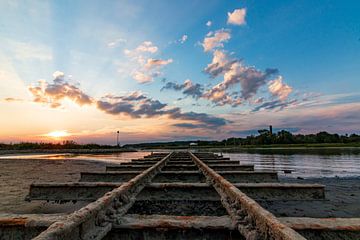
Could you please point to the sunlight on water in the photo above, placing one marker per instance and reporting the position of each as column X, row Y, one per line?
column 300, row 164
column 111, row 158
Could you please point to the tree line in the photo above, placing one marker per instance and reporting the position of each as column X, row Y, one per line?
column 265, row 137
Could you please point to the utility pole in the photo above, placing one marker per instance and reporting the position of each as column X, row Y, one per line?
column 117, row 139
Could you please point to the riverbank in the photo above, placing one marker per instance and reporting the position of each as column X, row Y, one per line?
column 16, row 175
column 71, row 151
column 342, row 200
column 342, row 194
column 212, row 147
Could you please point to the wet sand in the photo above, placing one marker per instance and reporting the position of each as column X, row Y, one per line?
column 16, row 175
column 342, row 194
column 342, row 199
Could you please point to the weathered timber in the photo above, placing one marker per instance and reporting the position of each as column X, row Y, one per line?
column 180, row 176
column 174, row 227
column 252, row 221
column 176, row 196
column 181, row 167
column 130, row 226
column 135, row 163
column 325, row 228
column 90, row 191
column 135, row 221
column 27, row 226
column 94, row 221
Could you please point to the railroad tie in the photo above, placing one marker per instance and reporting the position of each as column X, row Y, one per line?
column 177, row 195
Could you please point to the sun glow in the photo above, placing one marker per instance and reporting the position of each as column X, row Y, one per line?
column 57, row 134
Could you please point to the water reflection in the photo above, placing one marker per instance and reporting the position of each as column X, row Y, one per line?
column 111, row 158
column 342, row 164
column 328, row 162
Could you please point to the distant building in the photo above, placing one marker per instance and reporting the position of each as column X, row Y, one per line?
column 270, row 129
column 193, row 144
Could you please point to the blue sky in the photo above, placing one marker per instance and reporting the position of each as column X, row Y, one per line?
column 197, row 69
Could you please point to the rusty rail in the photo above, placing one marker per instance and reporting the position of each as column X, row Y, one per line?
column 251, row 220
column 94, row 221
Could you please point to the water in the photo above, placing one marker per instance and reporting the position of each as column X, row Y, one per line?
column 18, row 172
column 110, row 158
column 304, row 163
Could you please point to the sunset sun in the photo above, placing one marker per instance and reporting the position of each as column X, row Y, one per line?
column 58, row 134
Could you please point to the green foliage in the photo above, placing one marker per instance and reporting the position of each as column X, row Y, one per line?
column 285, row 137
column 265, row 138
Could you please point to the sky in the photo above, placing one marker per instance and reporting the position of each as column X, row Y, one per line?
column 177, row 70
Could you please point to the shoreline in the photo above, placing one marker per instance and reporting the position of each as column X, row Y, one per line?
column 70, row 151
column 16, row 175
column 342, row 194
column 342, row 198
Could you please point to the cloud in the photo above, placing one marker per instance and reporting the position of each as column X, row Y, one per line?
column 259, row 100
column 208, row 23
column 234, row 72
column 188, row 88
column 206, row 120
column 220, row 97
column 217, row 94
column 216, row 39
column 59, row 76
column 183, row 38
column 152, row 63
column 142, row 77
column 140, row 52
column 137, row 105
column 250, row 78
column 57, row 91
column 220, row 64
column 116, row 42
column 237, row 17
column 279, row 89
column 188, row 125
column 276, row 104
column 147, row 67
column 146, row 46
column 134, row 104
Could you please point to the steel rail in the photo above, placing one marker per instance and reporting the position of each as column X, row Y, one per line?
column 251, row 220
column 95, row 220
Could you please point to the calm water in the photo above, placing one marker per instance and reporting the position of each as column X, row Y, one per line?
column 111, row 158
column 336, row 162
column 302, row 163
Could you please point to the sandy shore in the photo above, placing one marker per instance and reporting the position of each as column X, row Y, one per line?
column 17, row 174
column 342, row 194
column 342, row 200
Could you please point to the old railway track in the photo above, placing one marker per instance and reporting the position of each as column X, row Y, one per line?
column 177, row 195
